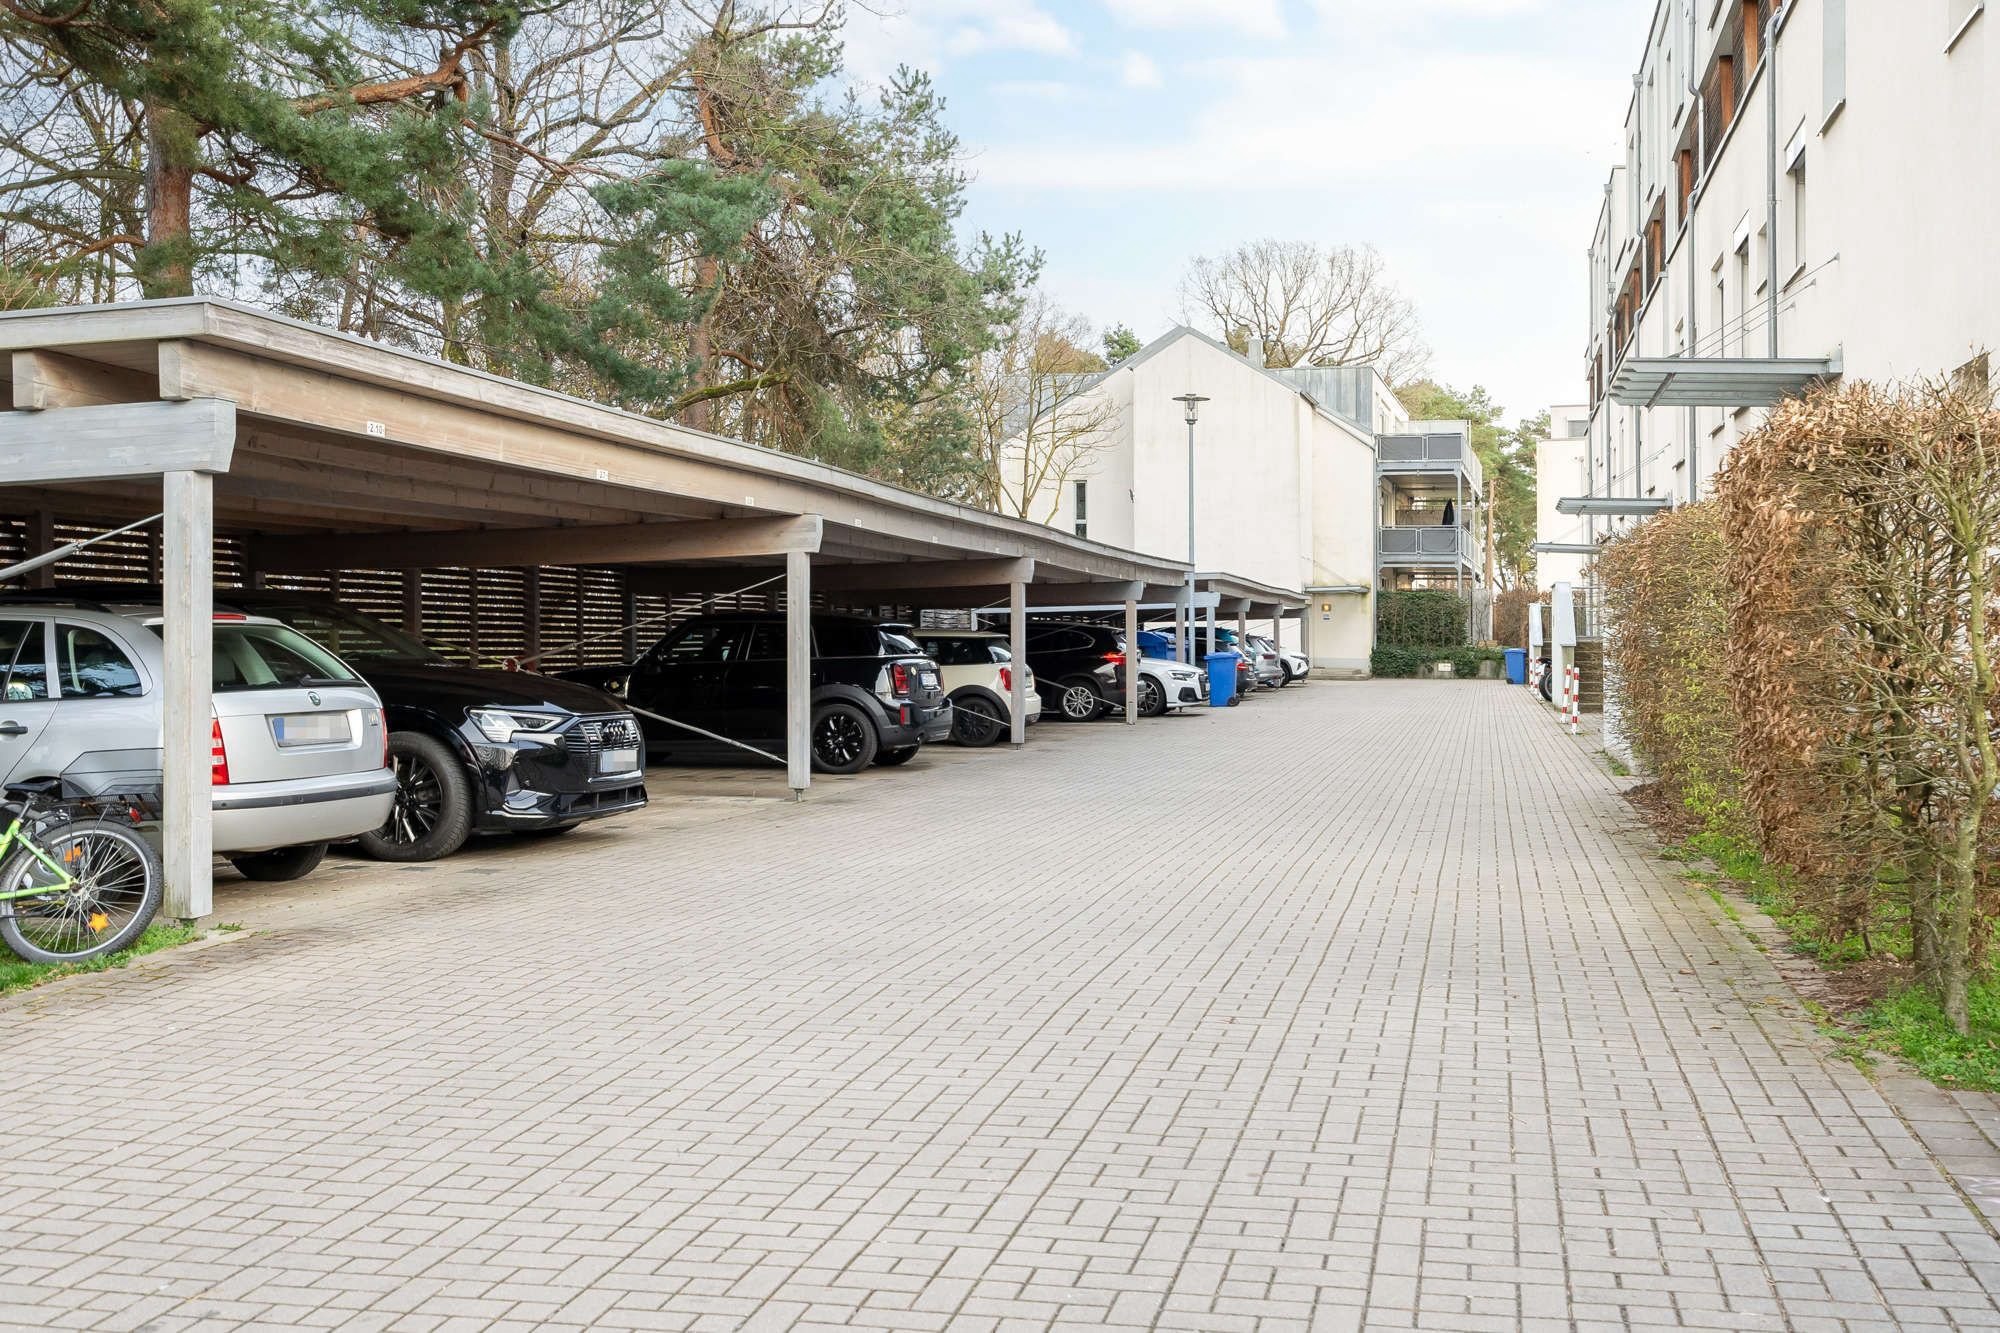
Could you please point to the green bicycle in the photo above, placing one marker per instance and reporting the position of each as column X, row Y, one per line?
column 74, row 885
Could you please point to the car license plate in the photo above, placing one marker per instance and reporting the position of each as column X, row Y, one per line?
column 618, row 761
column 929, row 679
column 289, row 729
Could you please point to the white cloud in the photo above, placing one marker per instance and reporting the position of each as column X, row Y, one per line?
column 1281, row 122
column 1019, row 27
column 927, row 34
column 1138, row 70
column 1257, row 18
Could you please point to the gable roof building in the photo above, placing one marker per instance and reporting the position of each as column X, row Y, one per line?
column 1288, row 483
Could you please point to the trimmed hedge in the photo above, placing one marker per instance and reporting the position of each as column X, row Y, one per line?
column 1399, row 662
column 1421, row 618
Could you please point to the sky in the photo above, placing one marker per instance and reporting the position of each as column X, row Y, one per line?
column 1467, row 140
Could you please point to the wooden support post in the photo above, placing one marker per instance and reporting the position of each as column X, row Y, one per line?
column 531, row 595
column 188, row 629
column 798, row 672
column 41, row 537
column 1017, row 646
column 1132, row 656
column 413, row 600
column 631, row 639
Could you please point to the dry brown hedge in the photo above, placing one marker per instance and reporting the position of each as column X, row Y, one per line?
column 1666, row 593
column 1859, row 527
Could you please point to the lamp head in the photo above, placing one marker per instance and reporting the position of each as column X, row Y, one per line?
column 1191, row 402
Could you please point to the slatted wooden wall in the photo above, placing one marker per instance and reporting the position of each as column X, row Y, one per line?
column 585, row 617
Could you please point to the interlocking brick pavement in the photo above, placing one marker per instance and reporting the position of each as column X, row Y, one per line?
column 1360, row 1006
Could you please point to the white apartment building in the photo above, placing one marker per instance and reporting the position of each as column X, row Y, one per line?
column 1807, row 191
column 1311, row 479
column 1562, row 467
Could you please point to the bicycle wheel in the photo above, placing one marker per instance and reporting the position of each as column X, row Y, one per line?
column 116, row 887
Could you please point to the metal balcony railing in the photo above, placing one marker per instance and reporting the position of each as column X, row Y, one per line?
column 1433, row 453
column 1432, row 544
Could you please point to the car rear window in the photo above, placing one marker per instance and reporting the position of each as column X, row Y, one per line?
column 957, row 652
column 894, row 643
column 273, row 657
column 846, row 638
column 90, row 666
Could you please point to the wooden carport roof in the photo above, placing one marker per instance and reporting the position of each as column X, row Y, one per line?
column 339, row 439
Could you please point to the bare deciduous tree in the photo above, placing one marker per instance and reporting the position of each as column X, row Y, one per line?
column 1310, row 306
column 1038, row 417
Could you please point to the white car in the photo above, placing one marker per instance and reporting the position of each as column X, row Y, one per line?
column 1165, row 685
column 977, row 672
column 298, row 743
column 1295, row 665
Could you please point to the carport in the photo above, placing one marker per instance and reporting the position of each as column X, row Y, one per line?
column 1216, row 596
column 292, row 449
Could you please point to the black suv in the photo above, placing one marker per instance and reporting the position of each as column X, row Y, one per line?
column 475, row 749
column 875, row 697
column 1081, row 667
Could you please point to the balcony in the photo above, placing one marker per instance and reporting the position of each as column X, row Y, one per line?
column 1431, row 453
column 1405, row 545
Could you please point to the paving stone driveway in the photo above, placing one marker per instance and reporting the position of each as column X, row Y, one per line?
column 1315, row 1013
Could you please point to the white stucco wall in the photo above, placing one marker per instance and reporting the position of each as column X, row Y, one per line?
column 1892, row 268
column 1283, row 491
column 1561, row 469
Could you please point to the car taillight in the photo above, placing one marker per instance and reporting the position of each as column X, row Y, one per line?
column 1116, row 659
column 218, row 754
column 382, row 716
column 899, row 679
column 1006, row 680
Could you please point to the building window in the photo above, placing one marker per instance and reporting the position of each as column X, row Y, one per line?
column 1082, row 508
column 1833, row 79
column 1959, row 15
column 1743, row 297
column 1798, row 175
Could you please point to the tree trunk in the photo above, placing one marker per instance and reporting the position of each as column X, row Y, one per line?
column 166, row 265
column 701, row 413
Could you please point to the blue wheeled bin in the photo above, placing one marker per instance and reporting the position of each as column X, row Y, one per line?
column 1517, row 666
column 1222, row 679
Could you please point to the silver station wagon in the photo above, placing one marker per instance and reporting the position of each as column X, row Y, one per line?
column 298, row 742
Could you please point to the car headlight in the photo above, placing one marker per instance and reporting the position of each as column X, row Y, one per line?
column 500, row 726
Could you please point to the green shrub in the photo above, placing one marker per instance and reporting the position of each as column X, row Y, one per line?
column 1394, row 661
column 1421, row 618
column 1390, row 662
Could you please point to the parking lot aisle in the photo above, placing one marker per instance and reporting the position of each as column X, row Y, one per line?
column 1363, row 1005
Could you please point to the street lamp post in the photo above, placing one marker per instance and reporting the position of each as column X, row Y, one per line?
column 1191, row 404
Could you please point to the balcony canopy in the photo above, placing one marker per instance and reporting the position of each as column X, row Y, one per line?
column 1613, row 506
column 1682, row 381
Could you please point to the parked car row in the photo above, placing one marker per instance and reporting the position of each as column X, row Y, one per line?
column 330, row 726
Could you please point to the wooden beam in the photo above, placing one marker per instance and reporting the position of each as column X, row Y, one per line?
column 798, row 671
column 44, row 380
column 1132, row 656
column 1017, row 643
column 187, row 630
column 387, row 491
column 115, row 441
column 1084, row 594
column 612, row 504
column 625, row 543
column 924, row 574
